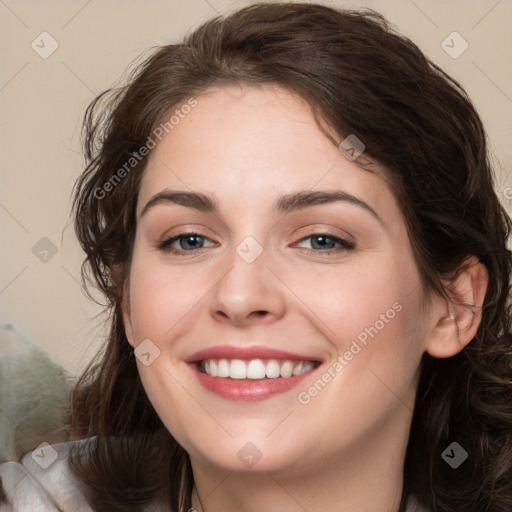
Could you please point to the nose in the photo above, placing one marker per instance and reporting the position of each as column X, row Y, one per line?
column 249, row 293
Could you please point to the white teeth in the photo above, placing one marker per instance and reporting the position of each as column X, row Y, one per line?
column 223, row 368
column 237, row 369
column 255, row 368
column 307, row 367
column 272, row 369
column 286, row 369
column 213, row 368
column 296, row 371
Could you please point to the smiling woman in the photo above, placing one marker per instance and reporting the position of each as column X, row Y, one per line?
column 308, row 279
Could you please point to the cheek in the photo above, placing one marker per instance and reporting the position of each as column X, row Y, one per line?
column 350, row 298
column 371, row 319
column 160, row 297
column 370, row 313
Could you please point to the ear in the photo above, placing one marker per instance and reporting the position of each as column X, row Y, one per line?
column 455, row 325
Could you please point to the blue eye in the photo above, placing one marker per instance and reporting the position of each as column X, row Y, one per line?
column 323, row 242
column 188, row 242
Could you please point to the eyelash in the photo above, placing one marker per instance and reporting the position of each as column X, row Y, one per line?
column 345, row 245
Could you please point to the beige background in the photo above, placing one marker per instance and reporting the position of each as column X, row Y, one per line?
column 42, row 101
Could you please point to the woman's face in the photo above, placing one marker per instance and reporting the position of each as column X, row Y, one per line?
column 299, row 261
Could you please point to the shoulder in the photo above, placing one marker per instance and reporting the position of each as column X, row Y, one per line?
column 42, row 482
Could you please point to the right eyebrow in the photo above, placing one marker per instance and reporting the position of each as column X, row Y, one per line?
column 196, row 200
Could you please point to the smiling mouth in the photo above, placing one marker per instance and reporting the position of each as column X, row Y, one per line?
column 255, row 369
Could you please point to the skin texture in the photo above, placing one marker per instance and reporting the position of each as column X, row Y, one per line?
column 345, row 448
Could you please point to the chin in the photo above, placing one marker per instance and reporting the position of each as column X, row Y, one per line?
column 247, row 453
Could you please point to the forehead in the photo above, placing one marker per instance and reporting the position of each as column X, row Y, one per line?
column 260, row 142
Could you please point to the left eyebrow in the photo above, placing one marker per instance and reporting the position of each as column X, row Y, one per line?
column 307, row 198
column 285, row 204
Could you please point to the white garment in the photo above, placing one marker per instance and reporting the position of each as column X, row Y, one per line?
column 29, row 487
column 32, row 487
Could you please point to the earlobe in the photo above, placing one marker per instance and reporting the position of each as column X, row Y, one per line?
column 459, row 319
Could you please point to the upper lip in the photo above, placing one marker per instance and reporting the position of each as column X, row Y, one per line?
column 246, row 353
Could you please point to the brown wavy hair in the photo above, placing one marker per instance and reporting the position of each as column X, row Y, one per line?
column 360, row 77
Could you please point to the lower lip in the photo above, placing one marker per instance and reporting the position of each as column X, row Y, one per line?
column 248, row 390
